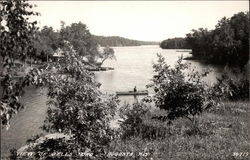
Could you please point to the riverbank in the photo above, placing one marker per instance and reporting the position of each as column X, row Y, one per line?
column 129, row 71
column 224, row 134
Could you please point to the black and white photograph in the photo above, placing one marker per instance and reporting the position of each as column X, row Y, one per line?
column 124, row 80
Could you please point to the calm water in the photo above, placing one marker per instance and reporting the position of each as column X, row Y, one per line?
column 133, row 67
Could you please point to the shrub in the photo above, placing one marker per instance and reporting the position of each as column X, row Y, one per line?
column 233, row 87
column 76, row 108
column 179, row 94
column 138, row 122
column 133, row 117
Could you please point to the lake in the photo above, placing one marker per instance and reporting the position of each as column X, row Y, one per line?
column 133, row 67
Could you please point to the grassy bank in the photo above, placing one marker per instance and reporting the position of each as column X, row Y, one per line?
column 224, row 134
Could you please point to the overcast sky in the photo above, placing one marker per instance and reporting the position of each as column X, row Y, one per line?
column 140, row 20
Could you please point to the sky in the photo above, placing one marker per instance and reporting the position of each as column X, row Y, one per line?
column 139, row 20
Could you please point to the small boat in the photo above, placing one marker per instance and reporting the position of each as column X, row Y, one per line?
column 101, row 69
column 142, row 92
column 183, row 51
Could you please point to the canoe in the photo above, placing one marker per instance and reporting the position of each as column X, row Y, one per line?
column 142, row 92
column 183, row 51
column 101, row 69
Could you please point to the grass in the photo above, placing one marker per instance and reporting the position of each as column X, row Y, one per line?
column 224, row 133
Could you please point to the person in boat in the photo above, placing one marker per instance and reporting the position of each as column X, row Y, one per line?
column 135, row 90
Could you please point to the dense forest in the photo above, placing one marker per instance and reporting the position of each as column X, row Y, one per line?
column 174, row 43
column 120, row 41
column 227, row 44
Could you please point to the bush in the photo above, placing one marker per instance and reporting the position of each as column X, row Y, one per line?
column 133, row 118
column 233, row 88
column 138, row 122
column 179, row 94
column 76, row 107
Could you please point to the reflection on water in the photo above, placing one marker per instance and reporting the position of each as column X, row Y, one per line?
column 132, row 68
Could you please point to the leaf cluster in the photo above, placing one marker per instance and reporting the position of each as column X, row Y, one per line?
column 227, row 44
column 182, row 95
column 233, row 86
column 77, row 107
column 16, row 35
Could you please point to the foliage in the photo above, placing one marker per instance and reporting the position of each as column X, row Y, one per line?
column 119, row 41
column 78, row 35
column 107, row 53
column 174, row 43
column 77, row 107
column 179, row 94
column 138, row 122
column 199, row 41
column 228, row 43
column 82, row 41
column 133, row 118
column 53, row 148
column 226, row 134
column 233, row 88
column 46, row 43
column 16, row 37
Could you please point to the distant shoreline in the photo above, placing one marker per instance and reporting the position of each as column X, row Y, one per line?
column 116, row 41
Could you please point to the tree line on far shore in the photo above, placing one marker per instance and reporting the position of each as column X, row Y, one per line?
column 227, row 44
column 174, row 43
column 120, row 41
column 48, row 41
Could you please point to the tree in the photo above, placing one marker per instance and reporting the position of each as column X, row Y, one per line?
column 107, row 53
column 179, row 94
column 174, row 43
column 234, row 36
column 16, row 37
column 77, row 107
column 227, row 44
column 79, row 36
column 46, row 43
column 119, row 41
column 199, row 40
column 84, row 43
